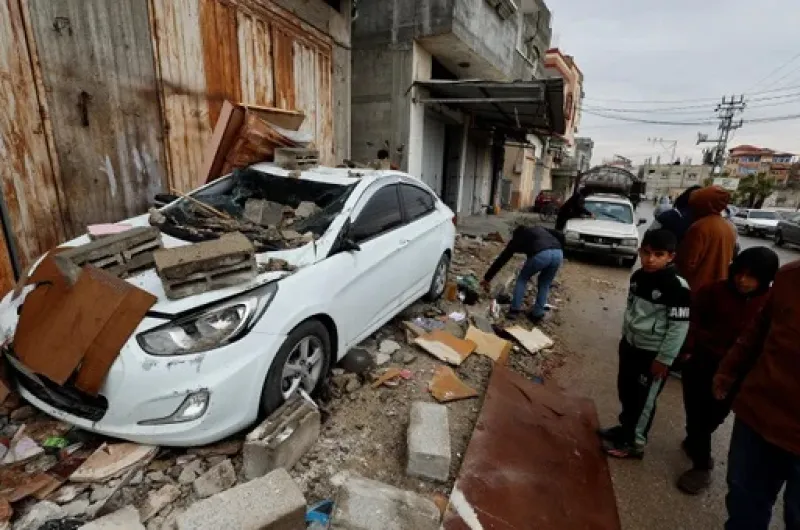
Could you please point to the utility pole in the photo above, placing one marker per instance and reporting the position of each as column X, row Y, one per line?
column 665, row 144
column 726, row 111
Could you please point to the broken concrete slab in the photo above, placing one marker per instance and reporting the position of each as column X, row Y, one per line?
column 126, row 518
column 110, row 460
column 227, row 448
column 38, row 515
column 282, row 439
column 194, row 269
column 445, row 386
column 489, row 344
column 363, row 504
column 158, row 500
column 263, row 212
column 271, row 502
column 446, row 347
column 306, row 209
column 533, row 340
column 526, row 436
column 217, row 479
column 388, row 347
column 428, row 442
column 482, row 323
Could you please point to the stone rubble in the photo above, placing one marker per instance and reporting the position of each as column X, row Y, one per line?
column 217, row 479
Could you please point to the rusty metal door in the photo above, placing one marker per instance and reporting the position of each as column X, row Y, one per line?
column 99, row 75
column 29, row 190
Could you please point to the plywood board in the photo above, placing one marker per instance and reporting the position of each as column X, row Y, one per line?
column 533, row 340
column 445, row 386
column 445, row 346
column 489, row 344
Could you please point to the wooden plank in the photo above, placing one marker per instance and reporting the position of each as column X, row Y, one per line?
column 534, row 461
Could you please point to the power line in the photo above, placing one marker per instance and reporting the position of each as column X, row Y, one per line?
column 700, row 108
column 775, row 71
column 691, row 100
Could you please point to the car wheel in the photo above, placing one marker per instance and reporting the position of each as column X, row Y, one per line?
column 629, row 262
column 439, row 279
column 779, row 239
column 748, row 231
column 302, row 362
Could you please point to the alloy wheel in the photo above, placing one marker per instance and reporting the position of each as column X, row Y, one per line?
column 441, row 277
column 303, row 366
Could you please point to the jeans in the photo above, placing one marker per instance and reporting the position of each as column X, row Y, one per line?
column 638, row 393
column 757, row 470
column 546, row 263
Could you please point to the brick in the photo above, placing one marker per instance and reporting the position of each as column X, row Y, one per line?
column 363, row 504
column 428, row 442
column 119, row 253
column 271, row 502
column 194, row 269
column 264, row 213
column 282, row 439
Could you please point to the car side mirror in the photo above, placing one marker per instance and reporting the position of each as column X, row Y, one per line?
column 348, row 245
column 642, row 221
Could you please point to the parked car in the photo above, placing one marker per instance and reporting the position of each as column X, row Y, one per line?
column 611, row 231
column 756, row 222
column 200, row 368
column 545, row 198
column 788, row 231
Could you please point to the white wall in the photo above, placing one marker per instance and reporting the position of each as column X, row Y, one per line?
column 421, row 65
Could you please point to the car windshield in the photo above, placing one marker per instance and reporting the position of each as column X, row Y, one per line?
column 763, row 215
column 611, row 211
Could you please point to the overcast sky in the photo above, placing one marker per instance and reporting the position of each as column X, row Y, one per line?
column 682, row 53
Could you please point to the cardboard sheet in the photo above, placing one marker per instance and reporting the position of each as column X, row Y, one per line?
column 533, row 340
column 445, row 386
column 489, row 344
column 446, row 347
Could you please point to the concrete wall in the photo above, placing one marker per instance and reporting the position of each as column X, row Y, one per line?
column 668, row 179
column 478, row 25
column 382, row 22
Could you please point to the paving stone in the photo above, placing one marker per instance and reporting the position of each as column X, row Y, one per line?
column 126, row 518
column 363, row 504
column 428, row 442
column 282, row 439
column 271, row 502
column 219, row 478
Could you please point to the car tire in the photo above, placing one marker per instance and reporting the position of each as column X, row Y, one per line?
column 629, row 263
column 273, row 394
column 439, row 280
column 779, row 239
column 748, row 231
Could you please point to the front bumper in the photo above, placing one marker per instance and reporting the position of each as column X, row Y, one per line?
column 601, row 249
column 762, row 230
column 142, row 387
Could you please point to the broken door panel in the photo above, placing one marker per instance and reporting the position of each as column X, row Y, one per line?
column 28, row 180
column 98, row 71
column 255, row 57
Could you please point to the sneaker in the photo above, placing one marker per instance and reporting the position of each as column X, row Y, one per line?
column 623, row 450
column 535, row 319
column 695, row 481
column 513, row 314
column 610, row 434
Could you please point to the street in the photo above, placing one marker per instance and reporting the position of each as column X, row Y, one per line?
column 646, row 492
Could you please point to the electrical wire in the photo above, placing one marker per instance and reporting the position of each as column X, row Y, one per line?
column 775, row 71
column 690, row 109
column 769, row 119
column 692, row 100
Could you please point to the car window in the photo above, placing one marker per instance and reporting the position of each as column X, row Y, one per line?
column 416, row 201
column 379, row 215
column 796, row 219
column 610, row 211
column 759, row 214
column 742, row 215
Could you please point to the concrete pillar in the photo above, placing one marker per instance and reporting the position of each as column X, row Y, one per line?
column 462, row 162
column 541, row 165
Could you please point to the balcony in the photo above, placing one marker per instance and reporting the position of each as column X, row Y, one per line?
column 479, row 39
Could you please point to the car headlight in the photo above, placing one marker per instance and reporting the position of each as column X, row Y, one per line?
column 630, row 242
column 211, row 327
column 572, row 235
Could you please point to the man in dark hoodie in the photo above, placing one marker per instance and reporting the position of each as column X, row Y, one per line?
column 679, row 218
column 709, row 244
column 719, row 312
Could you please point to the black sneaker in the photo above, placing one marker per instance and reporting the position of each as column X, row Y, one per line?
column 535, row 319
column 623, row 450
column 610, row 434
column 695, row 481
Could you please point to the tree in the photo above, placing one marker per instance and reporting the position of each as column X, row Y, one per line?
column 754, row 189
column 708, row 181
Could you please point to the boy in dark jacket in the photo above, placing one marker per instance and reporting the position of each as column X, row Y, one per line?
column 720, row 311
column 654, row 329
column 543, row 248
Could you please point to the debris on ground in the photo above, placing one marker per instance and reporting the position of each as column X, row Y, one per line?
column 489, row 344
column 357, row 361
column 533, row 340
column 276, row 265
column 446, row 347
column 445, row 386
column 111, row 460
column 118, row 254
column 428, row 442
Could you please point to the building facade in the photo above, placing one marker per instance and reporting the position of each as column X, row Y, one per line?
column 105, row 104
column 744, row 160
column 670, row 180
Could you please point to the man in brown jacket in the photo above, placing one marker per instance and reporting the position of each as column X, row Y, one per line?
column 765, row 445
column 707, row 248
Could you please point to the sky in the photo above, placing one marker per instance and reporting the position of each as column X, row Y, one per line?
column 673, row 61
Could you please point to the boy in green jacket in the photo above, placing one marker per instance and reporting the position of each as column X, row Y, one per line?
column 654, row 329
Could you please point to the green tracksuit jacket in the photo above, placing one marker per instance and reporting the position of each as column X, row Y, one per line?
column 657, row 315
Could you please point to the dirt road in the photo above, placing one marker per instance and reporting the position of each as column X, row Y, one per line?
column 646, row 492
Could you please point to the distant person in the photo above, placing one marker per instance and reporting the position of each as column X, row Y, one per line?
column 572, row 208
column 678, row 219
column 543, row 248
column 655, row 325
column 708, row 246
column 720, row 310
column 765, row 445
column 664, row 205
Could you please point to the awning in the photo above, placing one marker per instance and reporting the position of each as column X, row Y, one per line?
column 516, row 107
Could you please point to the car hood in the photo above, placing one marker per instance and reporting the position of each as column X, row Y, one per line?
column 150, row 282
column 603, row 228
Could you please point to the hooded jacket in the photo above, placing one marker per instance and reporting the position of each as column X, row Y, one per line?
column 708, row 246
column 769, row 398
column 720, row 312
column 679, row 218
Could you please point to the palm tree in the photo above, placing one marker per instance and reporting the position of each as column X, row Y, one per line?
column 754, row 190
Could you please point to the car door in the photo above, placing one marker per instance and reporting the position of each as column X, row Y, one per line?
column 367, row 292
column 791, row 230
column 422, row 239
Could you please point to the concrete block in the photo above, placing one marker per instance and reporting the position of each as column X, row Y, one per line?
column 428, row 442
column 282, row 439
column 219, row 478
column 118, row 253
column 264, row 213
column 363, row 504
column 195, row 269
column 124, row 519
column 271, row 502
column 306, row 209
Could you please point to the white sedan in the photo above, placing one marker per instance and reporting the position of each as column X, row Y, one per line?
column 203, row 367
